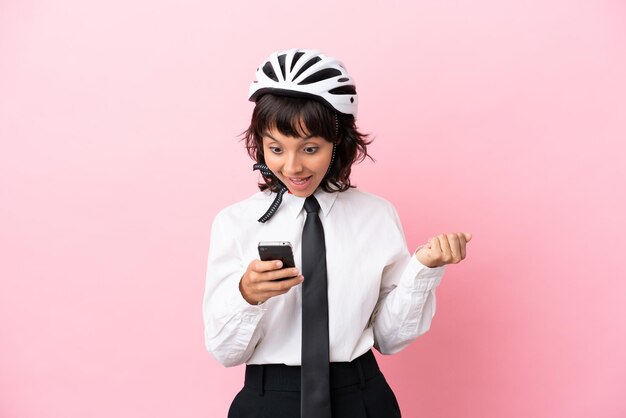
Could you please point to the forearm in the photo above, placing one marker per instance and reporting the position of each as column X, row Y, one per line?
column 231, row 326
column 406, row 312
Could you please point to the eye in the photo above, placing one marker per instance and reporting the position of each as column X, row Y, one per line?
column 310, row 150
column 275, row 150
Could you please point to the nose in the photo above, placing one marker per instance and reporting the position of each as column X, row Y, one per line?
column 293, row 164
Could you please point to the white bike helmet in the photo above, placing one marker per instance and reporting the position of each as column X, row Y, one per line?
column 306, row 73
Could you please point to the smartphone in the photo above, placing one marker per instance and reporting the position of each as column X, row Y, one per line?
column 277, row 250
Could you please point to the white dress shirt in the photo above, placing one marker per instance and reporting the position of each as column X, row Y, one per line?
column 378, row 293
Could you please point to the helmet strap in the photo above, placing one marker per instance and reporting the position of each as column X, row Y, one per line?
column 332, row 159
column 282, row 189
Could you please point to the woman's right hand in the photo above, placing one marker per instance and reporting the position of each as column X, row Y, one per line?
column 261, row 281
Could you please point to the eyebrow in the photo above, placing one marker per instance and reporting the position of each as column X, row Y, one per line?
column 303, row 137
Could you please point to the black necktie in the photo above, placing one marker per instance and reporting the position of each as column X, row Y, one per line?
column 315, row 395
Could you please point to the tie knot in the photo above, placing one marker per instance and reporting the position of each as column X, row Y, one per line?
column 311, row 205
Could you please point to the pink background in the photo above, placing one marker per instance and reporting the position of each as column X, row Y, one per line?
column 118, row 130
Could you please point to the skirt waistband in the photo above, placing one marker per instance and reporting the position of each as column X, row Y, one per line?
column 281, row 377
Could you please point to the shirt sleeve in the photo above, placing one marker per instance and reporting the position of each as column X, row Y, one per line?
column 406, row 305
column 231, row 328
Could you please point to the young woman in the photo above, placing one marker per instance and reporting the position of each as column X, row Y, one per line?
column 306, row 332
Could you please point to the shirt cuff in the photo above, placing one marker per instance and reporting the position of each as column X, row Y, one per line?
column 250, row 313
column 420, row 278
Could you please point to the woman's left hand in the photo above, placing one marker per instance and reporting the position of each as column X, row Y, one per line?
column 444, row 249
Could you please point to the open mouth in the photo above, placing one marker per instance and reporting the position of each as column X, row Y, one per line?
column 299, row 183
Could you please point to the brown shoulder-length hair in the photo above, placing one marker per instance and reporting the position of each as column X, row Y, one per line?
column 299, row 117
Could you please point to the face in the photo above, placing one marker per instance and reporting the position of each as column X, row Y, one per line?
column 299, row 162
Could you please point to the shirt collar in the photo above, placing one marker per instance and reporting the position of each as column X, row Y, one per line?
column 295, row 205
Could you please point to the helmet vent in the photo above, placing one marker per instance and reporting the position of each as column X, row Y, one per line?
column 281, row 62
column 324, row 74
column 343, row 90
column 296, row 57
column 269, row 71
column 307, row 65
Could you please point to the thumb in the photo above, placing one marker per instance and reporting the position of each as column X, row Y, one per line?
column 468, row 236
